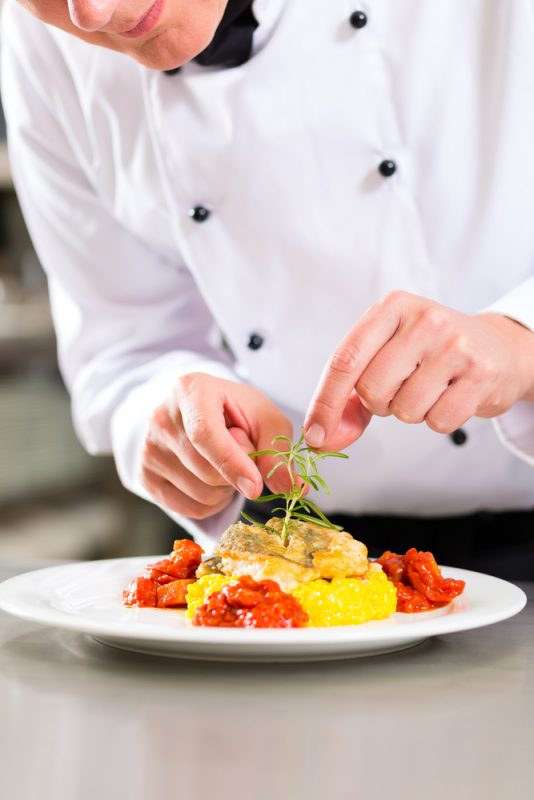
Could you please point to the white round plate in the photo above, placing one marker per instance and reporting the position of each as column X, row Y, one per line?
column 86, row 597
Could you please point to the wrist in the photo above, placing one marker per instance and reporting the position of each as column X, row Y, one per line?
column 521, row 340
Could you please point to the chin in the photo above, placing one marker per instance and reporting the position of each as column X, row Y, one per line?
column 171, row 49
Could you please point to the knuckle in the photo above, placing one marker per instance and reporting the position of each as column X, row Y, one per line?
column 205, row 476
column 224, row 468
column 198, row 512
column 345, row 360
column 169, row 497
column 485, row 370
column 379, row 408
column 492, row 407
column 396, row 297
column 439, row 424
column 373, row 396
column 367, row 390
column 149, row 452
column 198, row 430
column 409, row 417
column 212, row 479
column 147, row 480
column 435, row 318
column 186, row 383
column 160, row 420
column 323, row 403
column 461, row 347
column 213, row 495
column 161, row 494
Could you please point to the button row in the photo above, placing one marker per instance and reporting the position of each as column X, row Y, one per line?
column 358, row 20
column 386, row 168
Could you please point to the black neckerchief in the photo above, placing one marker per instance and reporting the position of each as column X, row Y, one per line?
column 232, row 43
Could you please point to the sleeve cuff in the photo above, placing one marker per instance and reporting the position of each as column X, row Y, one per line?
column 518, row 304
column 515, row 428
column 129, row 427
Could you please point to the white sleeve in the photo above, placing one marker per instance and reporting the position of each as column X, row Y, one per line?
column 129, row 320
column 515, row 428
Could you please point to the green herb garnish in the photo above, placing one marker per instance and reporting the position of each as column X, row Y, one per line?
column 301, row 462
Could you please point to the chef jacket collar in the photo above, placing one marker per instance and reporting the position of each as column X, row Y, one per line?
column 232, row 42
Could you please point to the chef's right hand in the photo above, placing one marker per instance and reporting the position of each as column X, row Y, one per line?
column 196, row 451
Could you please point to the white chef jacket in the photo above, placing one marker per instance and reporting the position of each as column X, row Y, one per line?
column 304, row 232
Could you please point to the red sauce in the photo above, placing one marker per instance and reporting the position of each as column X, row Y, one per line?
column 419, row 582
column 251, row 604
column 174, row 572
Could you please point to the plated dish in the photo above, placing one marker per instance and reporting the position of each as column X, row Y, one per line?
column 86, row 598
column 319, row 577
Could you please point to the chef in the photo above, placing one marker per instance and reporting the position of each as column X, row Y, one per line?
column 261, row 216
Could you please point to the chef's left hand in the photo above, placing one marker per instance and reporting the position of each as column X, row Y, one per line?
column 421, row 362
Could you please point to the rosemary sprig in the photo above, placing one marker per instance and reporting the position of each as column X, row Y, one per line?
column 301, row 462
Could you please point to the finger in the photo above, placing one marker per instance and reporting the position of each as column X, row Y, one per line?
column 248, row 447
column 345, row 367
column 171, row 498
column 455, row 406
column 354, row 421
column 167, row 431
column 275, row 425
column 204, row 423
column 196, row 463
column 388, row 370
column 242, row 439
column 425, row 386
column 163, row 462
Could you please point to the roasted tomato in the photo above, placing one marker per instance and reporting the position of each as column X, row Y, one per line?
column 420, row 584
column 172, row 595
column 187, row 555
column 182, row 563
column 141, row 592
column 174, row 574
column 251, row 604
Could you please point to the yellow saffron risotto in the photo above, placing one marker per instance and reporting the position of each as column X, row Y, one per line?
column 342, row 601
column 347, row 601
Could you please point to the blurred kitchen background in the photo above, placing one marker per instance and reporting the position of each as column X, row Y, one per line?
column 55, row 500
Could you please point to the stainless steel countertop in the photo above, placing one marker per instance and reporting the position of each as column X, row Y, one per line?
column 452, row 718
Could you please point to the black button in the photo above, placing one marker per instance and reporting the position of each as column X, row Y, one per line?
column 459, row 436
column 358, row 19
column 199, row 213
column 387, row 168
column 255, row 341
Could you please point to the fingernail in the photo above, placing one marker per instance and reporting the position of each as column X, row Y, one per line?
column 246, row 487
column 315, row 435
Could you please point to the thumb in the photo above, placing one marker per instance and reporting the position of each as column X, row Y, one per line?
column 354, row 420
